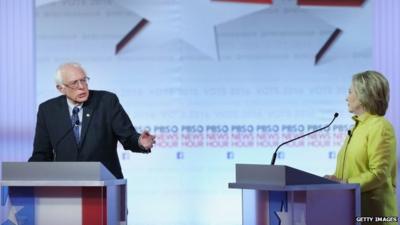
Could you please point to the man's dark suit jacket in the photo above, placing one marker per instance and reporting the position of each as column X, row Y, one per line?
column 104, row 122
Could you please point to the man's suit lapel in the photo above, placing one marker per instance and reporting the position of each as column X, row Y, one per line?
column 88, row 108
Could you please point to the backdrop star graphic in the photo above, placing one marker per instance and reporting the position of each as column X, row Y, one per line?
column 191, row 21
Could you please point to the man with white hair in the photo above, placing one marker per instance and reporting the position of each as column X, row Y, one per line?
column 85, row 125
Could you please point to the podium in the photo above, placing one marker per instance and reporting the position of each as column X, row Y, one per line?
column 282, row 195
column 62, row 193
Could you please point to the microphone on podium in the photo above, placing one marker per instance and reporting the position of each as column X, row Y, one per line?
column 77, row 123
column 314, row 131
column 349, row 133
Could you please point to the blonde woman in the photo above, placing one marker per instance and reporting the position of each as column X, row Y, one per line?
column 368, row 155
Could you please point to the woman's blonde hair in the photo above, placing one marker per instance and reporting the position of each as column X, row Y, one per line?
column 372, row 90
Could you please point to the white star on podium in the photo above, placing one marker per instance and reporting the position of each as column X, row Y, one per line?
column 11, row 212
column 285, row 217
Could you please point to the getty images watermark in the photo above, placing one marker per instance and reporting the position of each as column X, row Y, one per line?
column 377, row 219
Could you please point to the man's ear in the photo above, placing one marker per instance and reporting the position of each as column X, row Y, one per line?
column 61, row 89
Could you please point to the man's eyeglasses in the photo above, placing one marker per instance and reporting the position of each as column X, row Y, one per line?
column 75, row 84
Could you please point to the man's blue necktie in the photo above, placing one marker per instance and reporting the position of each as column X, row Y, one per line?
column 76, row 123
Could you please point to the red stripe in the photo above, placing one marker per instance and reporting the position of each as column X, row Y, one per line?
column 94, row 206
column 331, row 2
column 132, row 33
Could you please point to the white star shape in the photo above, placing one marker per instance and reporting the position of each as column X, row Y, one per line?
column 11, row 212
column 284, row 217
column 192, row 21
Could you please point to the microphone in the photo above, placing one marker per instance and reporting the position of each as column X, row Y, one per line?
column 345, row 150
column 77, row 123
column 349, row 133
column 286, row 142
